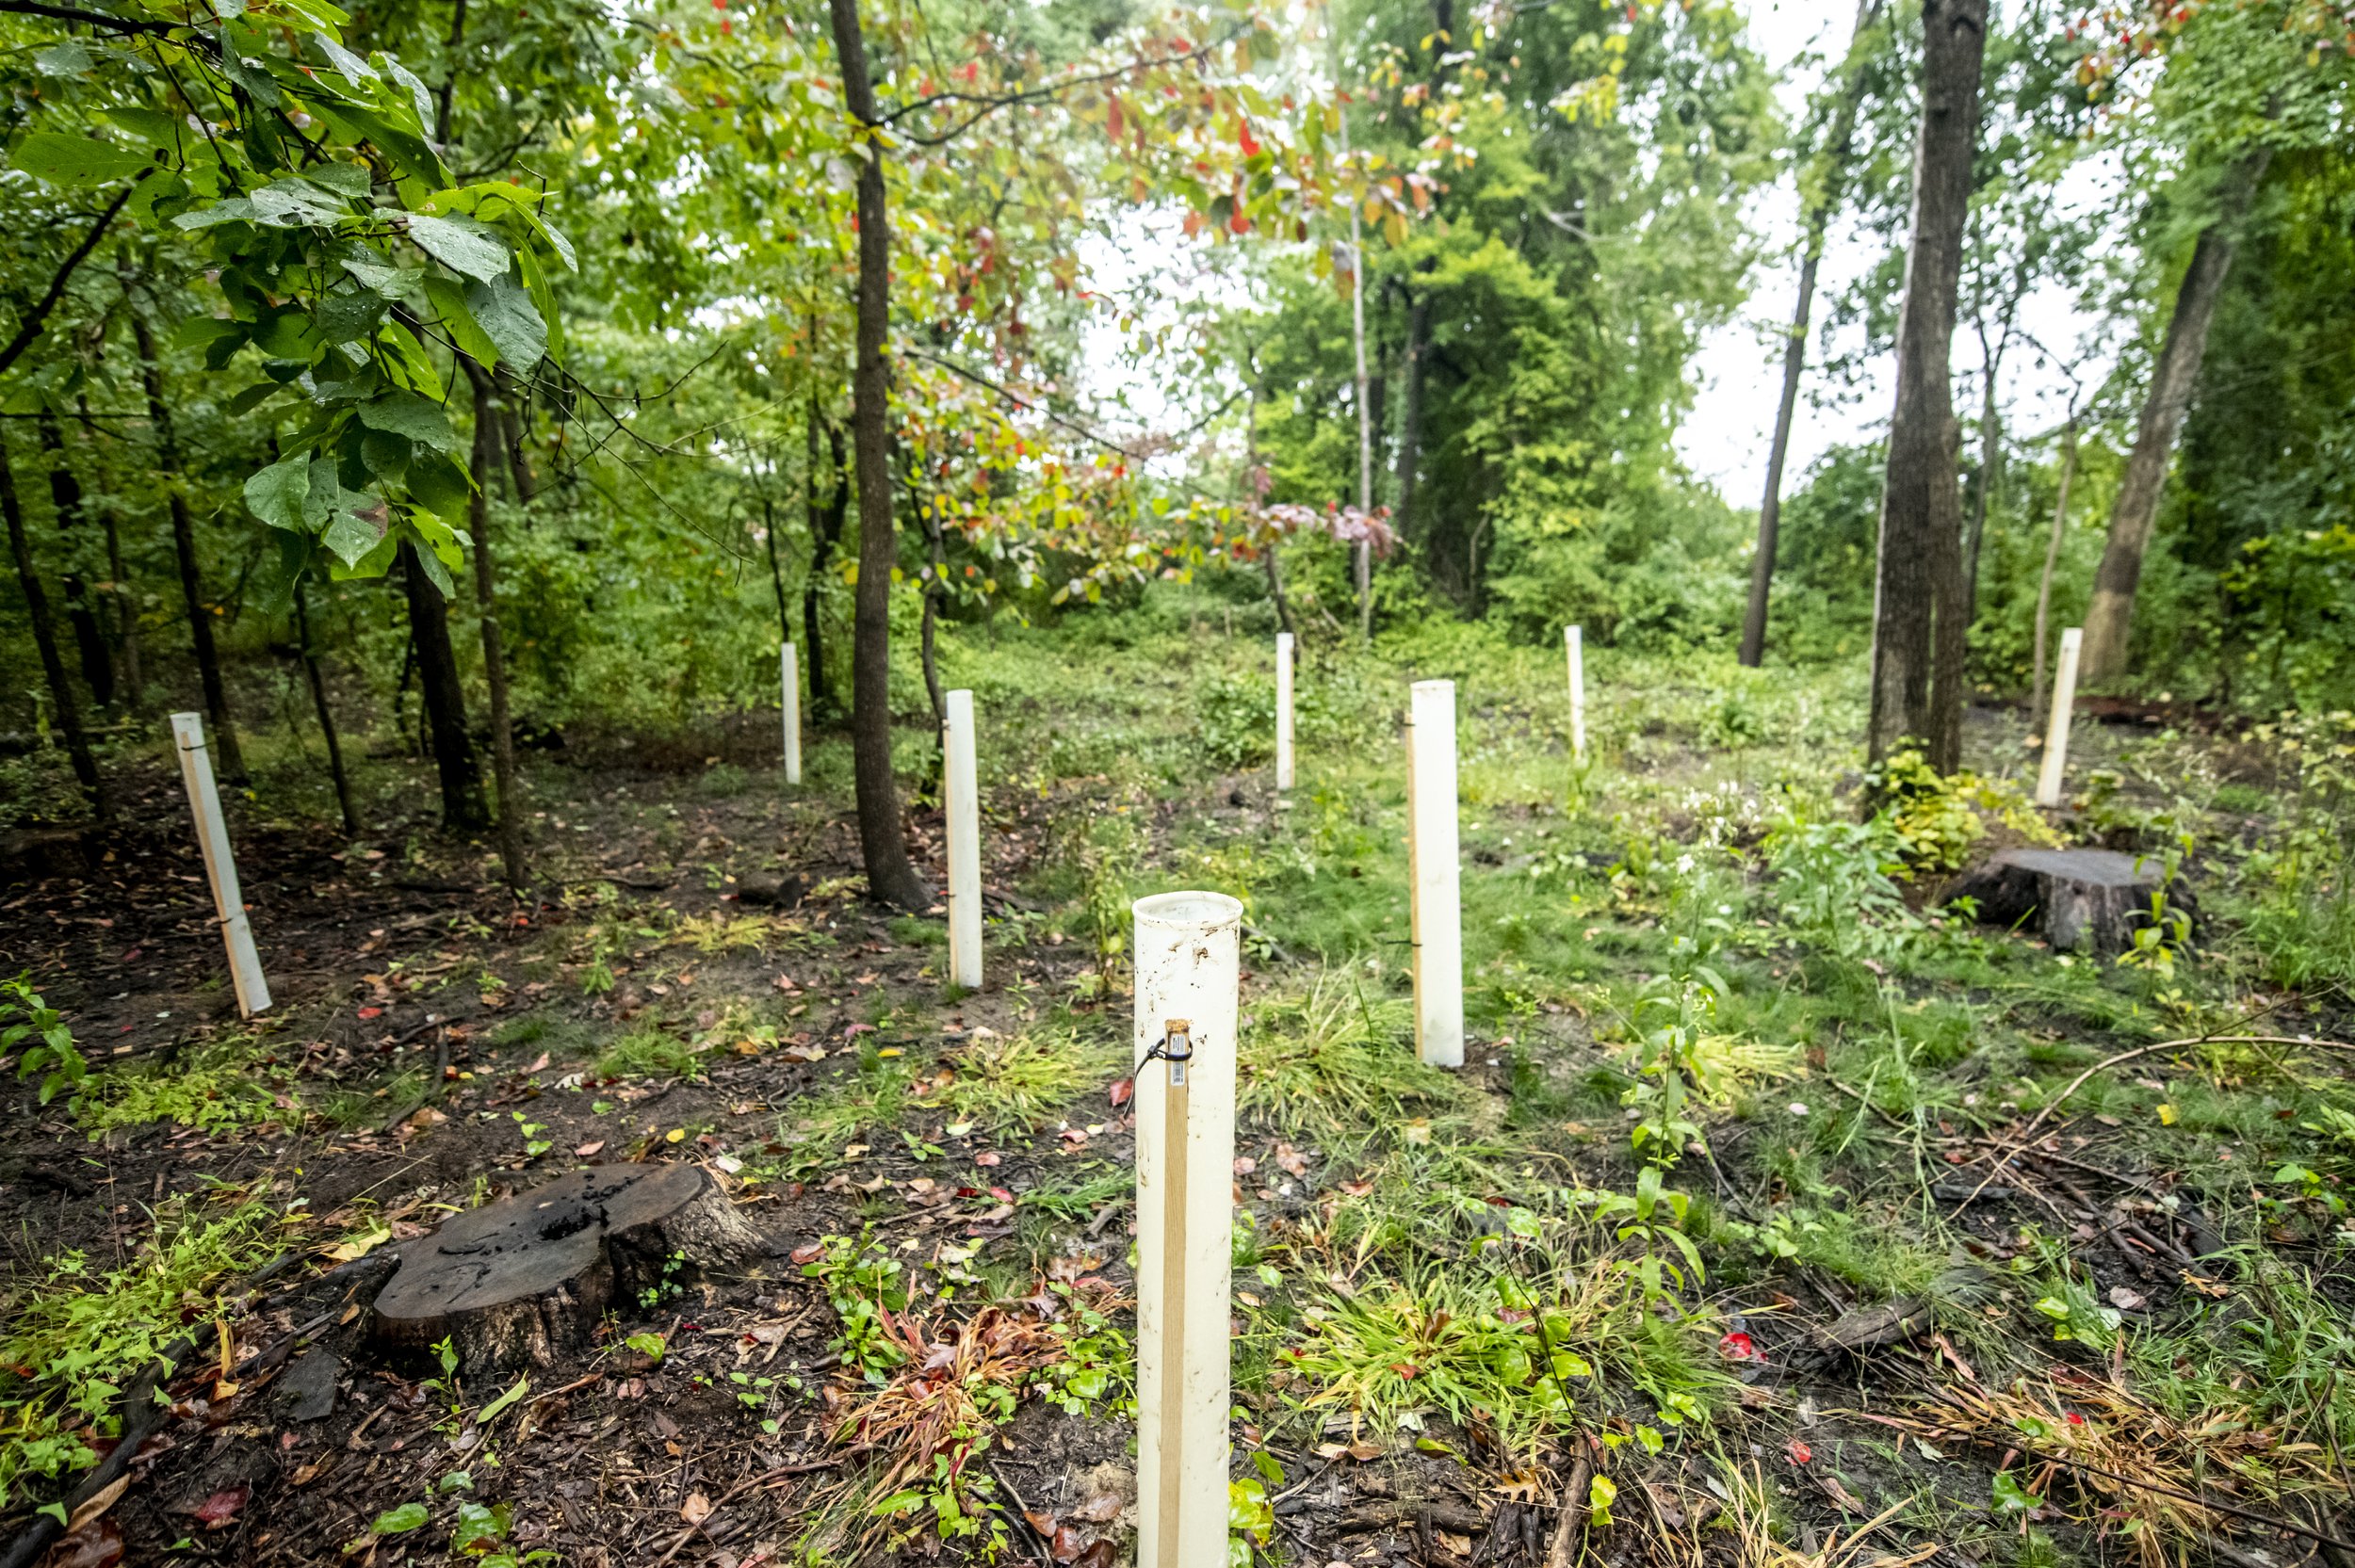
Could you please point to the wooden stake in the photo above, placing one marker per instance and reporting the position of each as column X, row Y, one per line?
column 1189, row 954
column 212, row 838
column 2047, row 779
column 1436, row 909
column 1575, row 638
column 961, row 800
column 789, row 672
column 1283, row 710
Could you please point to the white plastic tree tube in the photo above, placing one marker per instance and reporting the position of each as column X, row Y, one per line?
column 1283, row 710
column 1189, row 948
column 1575, row 639
column 963, row 806
column 2047, row 779
column 790, row 674
column 212, row 838
column 1436, row 909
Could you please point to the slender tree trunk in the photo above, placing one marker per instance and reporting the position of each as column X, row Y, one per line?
column 444, row 699
column 776, row 571
column 326, row 713
column 2051, row 560
column 126, row 605
column 933, row 587
column 65, row 500
column 61, row 693
column 489, row 431
column 1918, row 614
column 1364, row 562
column 2109, row 623
column 449, row 80
column 1990, row 470
column 1411, row 411
column 1837, row 147
column 825, row 535
column 224, row 736
column 883, row 842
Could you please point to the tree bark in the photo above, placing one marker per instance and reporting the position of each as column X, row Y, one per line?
column 488, row 437
column 326, row 713
column 1991, row 465
column 2109, row 622
column 1918, row 613
column 444, row 698
column 1411, row 411
column 1364, row 552
column 2051, row 560
column 61, row 693
column 224, row 737
column 883, row 842
column 1838, row 146
column 126, row 615
column 825, row 537
column 65, row 500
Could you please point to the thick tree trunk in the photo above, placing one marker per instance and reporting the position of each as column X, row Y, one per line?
column 2109, row 622
column 444, row 698
column 825, row 537
column 1410, row 412
column 1838, row 146
column 883, row 842
column 61, row 693
column 2051, row 560
column 1918, row 614
column 489, row 433
column 224, row 736
column 65, row 500
column 326, row 713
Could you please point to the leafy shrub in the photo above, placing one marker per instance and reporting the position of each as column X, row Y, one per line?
column 52, row 1054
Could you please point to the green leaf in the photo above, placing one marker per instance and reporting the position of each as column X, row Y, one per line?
column 297, row 203
column 277, row 493
column 351, row 540
column 236, row 209
column 1601, row 1495
column 2010, row 1497
column 253, row 397
column 348, row 317
column 70, row 59
column 70, row 160
column 522, row 1386
column 402, row 1520
column 508, row 317
column 353, row 68
column 460, row 244
column 456, row 318
column 343, row 179
column 372, row 270
column 438, row 484
column 406, row 413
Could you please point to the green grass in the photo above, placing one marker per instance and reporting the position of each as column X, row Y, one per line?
column 1015, row 1083
column 648, row 1052
column 219, row 1086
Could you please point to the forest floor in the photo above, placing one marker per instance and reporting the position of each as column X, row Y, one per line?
column 1943, row 1313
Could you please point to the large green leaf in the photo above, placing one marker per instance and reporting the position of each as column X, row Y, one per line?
column 276, row 495
column 297, row 204
column 438, row 484
column 408, row 415
column 460, row 244
column 510, row 320
column 70, row 160
column 449, row 303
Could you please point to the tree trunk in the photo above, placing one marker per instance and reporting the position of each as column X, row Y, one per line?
column 883, row 842
column 1990, row 468
column 326, row 714
column 825, row 535
column 224, row 736
column 2051, row 560
column 1364, row 553
column 2110, row 620
column 65, row 499
column 1410, row 412
column 61, row 693
column 1838, row 147
column 1918, row 615
column 444, row 698
column 489, row 431
column 134, row 689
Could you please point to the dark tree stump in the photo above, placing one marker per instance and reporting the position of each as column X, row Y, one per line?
column 2077, row 900
column 513, row 1281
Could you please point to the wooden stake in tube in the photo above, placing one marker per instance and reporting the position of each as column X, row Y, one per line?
column 961, row 798
column 212, row 838
column 789, row 672
column 1576, row 640
column 1188, row 955
column 1435, row 911
column 2047, row 779
column 1283, row 710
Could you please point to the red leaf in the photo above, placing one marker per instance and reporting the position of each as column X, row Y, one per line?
column 371, row 1013
column 1244, row 139
column 987, row 1158
column 220, row 1509
column 1800, row 1453
column 1098, row 1555
column 1121, row 1090
column 1737, row 1346
column 1065, row 1544
column 809, row 1253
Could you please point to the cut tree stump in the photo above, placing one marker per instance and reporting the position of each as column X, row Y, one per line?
column 513, row 1281
column 2077, row 900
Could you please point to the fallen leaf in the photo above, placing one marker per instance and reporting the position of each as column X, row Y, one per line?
column 1844, row 1498
column 2125, row 1300
column 590, row 1148
column 1121, row 1090
column 1064, row 1543
column 1098, row 1555
column 1103, row 1509
column 2167, row 1115
column 219, row 1510
column 987, row 1158
column 96, row 1544
column 1292, row 1160
column 1245, row 1165
column 696, row 1509
column 1800, row 1453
